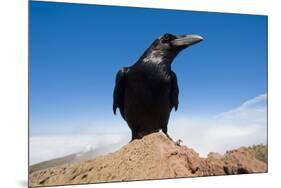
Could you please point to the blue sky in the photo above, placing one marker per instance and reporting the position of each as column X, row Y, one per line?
column 76, row 50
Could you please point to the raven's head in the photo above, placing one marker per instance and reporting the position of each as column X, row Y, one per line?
column 165, row 48
column 176, row 42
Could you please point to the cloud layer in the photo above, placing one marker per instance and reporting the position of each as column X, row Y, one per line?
column 44, row 148
column 242, row 126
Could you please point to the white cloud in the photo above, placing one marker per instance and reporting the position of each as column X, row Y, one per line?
column 253, row 110
column 241, row 126
column 44, row 148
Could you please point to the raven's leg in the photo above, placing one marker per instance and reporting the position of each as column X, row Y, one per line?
column 165, row 130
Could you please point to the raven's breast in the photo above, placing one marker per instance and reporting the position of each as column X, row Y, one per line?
column 147, row 102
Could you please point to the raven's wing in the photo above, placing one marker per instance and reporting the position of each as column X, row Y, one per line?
column 174, row 97
column 119, row 90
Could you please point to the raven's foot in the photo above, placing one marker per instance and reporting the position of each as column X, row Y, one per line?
column 178, row 142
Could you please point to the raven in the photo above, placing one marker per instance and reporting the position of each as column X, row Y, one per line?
column 147, row 91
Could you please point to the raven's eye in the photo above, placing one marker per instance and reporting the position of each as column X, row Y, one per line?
column 166, row 38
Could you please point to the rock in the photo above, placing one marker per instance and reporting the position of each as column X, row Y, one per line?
column 238, row 161
column 242, row 161
column 153, row 157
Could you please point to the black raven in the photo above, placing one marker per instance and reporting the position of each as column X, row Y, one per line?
column 147, row 91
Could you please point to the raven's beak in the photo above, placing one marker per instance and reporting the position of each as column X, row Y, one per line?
column 186, row 40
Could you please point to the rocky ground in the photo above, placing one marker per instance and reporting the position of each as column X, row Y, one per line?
column 153, row 157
